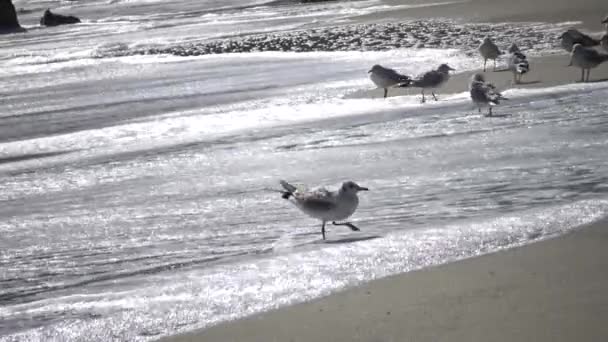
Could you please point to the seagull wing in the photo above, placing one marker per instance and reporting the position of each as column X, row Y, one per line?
column 318, row 200
column 394, row 75
column 429, row 79
column 493, row 95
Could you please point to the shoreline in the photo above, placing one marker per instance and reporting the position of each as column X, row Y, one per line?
column 546, row 71
column 550, row 290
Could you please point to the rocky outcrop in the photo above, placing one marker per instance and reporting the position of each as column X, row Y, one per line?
column 52, row 19
column 8, row 17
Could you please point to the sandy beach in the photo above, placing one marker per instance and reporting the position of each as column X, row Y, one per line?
column 553, row 290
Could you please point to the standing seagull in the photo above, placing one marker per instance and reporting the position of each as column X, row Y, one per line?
column 586, row 59
column 488, row 50
column 432, row 80
column 386, row 78
column 484, row 93
column 573, row 36
column 327, row 206
column 518, row 63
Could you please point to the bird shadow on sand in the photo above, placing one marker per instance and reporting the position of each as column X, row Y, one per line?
column 595, row 81
column 526, row 82
column 350, row 239
column 497, row 116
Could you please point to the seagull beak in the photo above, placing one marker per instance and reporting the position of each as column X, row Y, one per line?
column 452, row 69
column 369, row 71
column 362, row 188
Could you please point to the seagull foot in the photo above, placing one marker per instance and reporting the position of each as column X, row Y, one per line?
column 348, row 224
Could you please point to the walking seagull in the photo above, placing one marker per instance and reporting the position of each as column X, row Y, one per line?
column 327, row 206
column 586, row 59
column 488, row 50
column 484, row 93
column 573, row 36
column 432, row 80
column 386, row 78
column 518, row 63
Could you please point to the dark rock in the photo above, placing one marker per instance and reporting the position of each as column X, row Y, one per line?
column 52, row 19
column 8, row 17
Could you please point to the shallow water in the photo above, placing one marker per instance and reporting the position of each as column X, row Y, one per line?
column 135, row 197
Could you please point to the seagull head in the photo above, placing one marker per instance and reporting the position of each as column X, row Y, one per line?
column 375, row 68
column 478, row 77
column 487, row 40
column 513, row 48
column 351, row 187
column 445, row 68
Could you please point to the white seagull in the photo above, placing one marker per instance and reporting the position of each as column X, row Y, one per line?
column 488, row 50
column 586, row 59
column 324, row 205
column 386, row 78
column 432, row 79
column 518, row 63
column 484, row 93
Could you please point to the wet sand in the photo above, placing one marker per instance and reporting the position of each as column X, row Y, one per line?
column 553, row 290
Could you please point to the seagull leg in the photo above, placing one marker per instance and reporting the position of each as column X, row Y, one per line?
column 423, row 99
column 588, row 74
column 485, row 60
column 494, row 65
column 323, row 230
column 348, row 224
column 490, row 111
column 385, row 92
column 435, row 97
column 582, row 75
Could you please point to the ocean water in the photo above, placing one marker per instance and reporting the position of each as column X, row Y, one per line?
column 135, row 197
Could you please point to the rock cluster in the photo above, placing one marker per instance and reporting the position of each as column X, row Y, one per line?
column 370, row 37
column 53, row 19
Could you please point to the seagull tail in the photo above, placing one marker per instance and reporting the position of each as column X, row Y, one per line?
column 522, row 68
column 404, row 81
column 289, row 189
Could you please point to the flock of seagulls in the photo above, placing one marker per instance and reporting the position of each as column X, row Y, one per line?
column 335, row 206
column 583, row 55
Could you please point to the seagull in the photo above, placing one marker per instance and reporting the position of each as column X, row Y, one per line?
column 518, row 63
column 488, row 50
column 573, row 36
column 386, row 78
column 586, row 59
column 484, row 93
column 327, row 206
column 432, row 79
